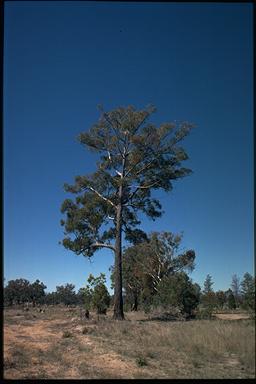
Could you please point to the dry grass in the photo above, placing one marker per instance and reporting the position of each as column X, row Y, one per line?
column 100, row 348
column 194, row 349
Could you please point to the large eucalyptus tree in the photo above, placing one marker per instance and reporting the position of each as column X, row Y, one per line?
column 135, row 157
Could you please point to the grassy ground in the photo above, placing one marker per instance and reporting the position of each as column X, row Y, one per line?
column 58, row 344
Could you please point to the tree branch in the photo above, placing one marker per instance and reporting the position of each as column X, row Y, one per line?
column 147, row 186
column 111, row 161
column 137, row 188
column 145, row 167
column 103, row 197
column 103, row 245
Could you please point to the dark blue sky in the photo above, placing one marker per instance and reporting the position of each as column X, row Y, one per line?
column 193, row 61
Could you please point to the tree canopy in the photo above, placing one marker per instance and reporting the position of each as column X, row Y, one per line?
column 135, row 157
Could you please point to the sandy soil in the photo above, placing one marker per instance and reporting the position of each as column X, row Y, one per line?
column 42, row 335
column 232, row 316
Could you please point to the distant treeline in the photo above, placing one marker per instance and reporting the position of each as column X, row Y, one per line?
column 175, row 294
column 22, row 292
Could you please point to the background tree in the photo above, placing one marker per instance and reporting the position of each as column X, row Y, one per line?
column 248, row 292
column 147, row 263
column 177, row 291
column 208, row 283
column 84, row 297
column 65, row 294
column 235, row 286
column 100, row 298
column 51, row 298
column 208, row 297
column 220, row 299
column 37, row 292
column 134, row 279
column 8, row 295
column 136, row 157
column 17, row 291
column 231, row 301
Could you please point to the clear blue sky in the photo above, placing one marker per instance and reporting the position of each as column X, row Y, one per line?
column 193, row 61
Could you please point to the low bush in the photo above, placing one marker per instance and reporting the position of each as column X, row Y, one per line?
column 204, row 313
column 67, row 334
column 166, row 313
column 141, row 361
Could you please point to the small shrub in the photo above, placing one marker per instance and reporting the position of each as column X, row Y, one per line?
column 166, row 313
column 67, row 334
column 8, row 363
column 85, row 331
column 20, row 357
column 101, row 299
column 141, row 361
column 196, row 364
column 204, row 313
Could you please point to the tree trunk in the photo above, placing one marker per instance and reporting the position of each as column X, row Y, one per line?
column 135, row 303
column 118, row 297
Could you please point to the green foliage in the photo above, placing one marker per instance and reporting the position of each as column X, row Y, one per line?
column 177, row 291
column 204, row 313
column 135, row 157
column 141, row 361
column 51, row 298
column 248, row 292
column 17, row 292
column 220, row 299
column 231, row 302
column 65, row 294
column 20, row 291
column 147, row 263
column 230, row 299
column 208, row 283
column 84, row 297
column 208, row 298
column 37, row 292
column 209, row 301
column 100, row 298
column 97, row 293
column 94, row 281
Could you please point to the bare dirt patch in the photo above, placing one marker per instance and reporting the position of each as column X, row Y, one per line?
column 36, row 335
column 39, row 349
column 232, row 316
